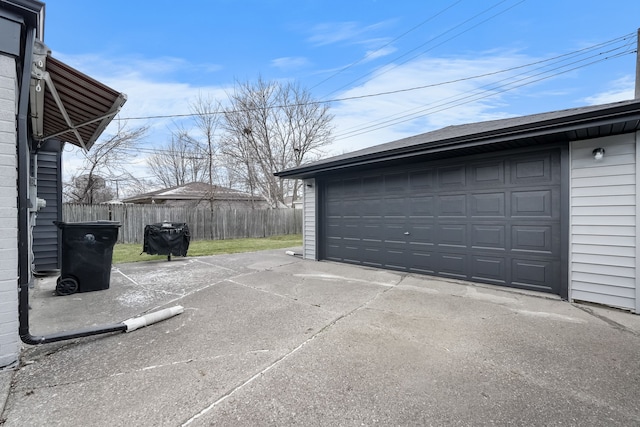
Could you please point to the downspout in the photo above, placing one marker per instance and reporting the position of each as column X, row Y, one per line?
column 637, row 93
column 24, row 270
column 637, row 135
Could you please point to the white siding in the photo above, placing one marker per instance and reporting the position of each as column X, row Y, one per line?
column 9, row 340
column 309, row 220
column 603, row 222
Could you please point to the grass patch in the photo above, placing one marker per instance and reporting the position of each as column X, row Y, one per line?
column 130, row 252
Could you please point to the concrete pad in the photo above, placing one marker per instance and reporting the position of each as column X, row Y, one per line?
column 421, row 358
column 270, row 339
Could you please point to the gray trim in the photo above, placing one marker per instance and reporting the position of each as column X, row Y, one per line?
column 10, row 32
column 31, row 10
column 565, row 218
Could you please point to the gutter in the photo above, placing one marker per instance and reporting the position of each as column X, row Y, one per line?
column 558, row 125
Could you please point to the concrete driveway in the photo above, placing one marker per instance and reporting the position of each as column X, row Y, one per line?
column 270, row 339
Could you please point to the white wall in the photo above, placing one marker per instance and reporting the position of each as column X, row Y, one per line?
column 603, row 222
column 309, row 220
column 9, row 340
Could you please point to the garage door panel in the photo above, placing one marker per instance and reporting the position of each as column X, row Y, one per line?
column 351, row 208
column 396, row 183
column 421, row 180
column 424, row 206
column 395, row 259
column 452, row 205
column 351, row 187
column 394, row 207
column 489, row 268
column 534, row 169
column 372, row 185
column 370, row 208
column 333, row 190
column 420, row 261
column 532, row 238
column 538, row 274
column 485, row 236
column 452, row 176
column 534, row 203
column 372, row 255
column 489, row 173
column 493, row 219
column 452, row 264
column 488, row 205
column 333, row 208
column 452, row 235
column 371, row 231
column 422, row 234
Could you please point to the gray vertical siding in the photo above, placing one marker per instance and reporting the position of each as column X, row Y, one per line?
column 603, row 222
column 309, row 219
column 46, row 250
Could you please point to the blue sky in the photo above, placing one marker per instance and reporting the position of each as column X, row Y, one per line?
column 162, row 54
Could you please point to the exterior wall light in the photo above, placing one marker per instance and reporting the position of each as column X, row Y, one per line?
column 598, row 153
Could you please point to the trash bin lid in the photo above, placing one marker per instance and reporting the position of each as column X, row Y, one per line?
column 99, row 223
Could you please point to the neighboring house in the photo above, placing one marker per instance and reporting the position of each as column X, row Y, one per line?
column 200, row 194
column 44, row 103
column 525, row 202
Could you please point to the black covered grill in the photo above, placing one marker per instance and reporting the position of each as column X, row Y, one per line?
column 166, row 238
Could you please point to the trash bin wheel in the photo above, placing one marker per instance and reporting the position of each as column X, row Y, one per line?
column 66, row 286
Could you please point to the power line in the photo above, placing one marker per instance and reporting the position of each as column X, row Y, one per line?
column 349, row 98
column 550, row 61
column 458, row 101
column 431, row 40
column 476, row 98
column 368, row 55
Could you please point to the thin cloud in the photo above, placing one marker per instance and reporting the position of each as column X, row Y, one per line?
column 336, row 32
column 378, row 53
column 290, row 63
column 419, row 111
column 134, row 66
column 621, row 89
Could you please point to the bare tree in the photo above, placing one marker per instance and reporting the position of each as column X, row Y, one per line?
column 106, row 161
column 89, row 189
column 206, row 113
column 178, row 163
column 272, row 126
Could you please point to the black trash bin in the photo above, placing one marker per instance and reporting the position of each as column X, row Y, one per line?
column 87, row 251
column 166, row 238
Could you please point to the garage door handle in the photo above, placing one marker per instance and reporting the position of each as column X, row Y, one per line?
column 406, row 233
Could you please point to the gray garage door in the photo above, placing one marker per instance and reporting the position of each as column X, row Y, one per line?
column 489, row 219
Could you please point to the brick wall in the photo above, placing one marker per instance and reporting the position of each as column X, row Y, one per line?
column 9, row 339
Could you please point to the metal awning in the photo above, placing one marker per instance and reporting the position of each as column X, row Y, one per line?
column 67, row 104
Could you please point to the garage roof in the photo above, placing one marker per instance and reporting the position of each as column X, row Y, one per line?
column 68, row 105
column 537, row 129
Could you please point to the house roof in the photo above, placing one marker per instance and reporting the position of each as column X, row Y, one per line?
column 537, row 129
column 194, row 191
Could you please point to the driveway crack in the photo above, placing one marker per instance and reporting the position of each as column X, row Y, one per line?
column 286, row 356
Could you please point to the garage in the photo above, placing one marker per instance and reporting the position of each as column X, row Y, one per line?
column 491, row 218
column 545, row 202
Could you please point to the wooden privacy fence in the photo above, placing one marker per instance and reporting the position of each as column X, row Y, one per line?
column 203, row 223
